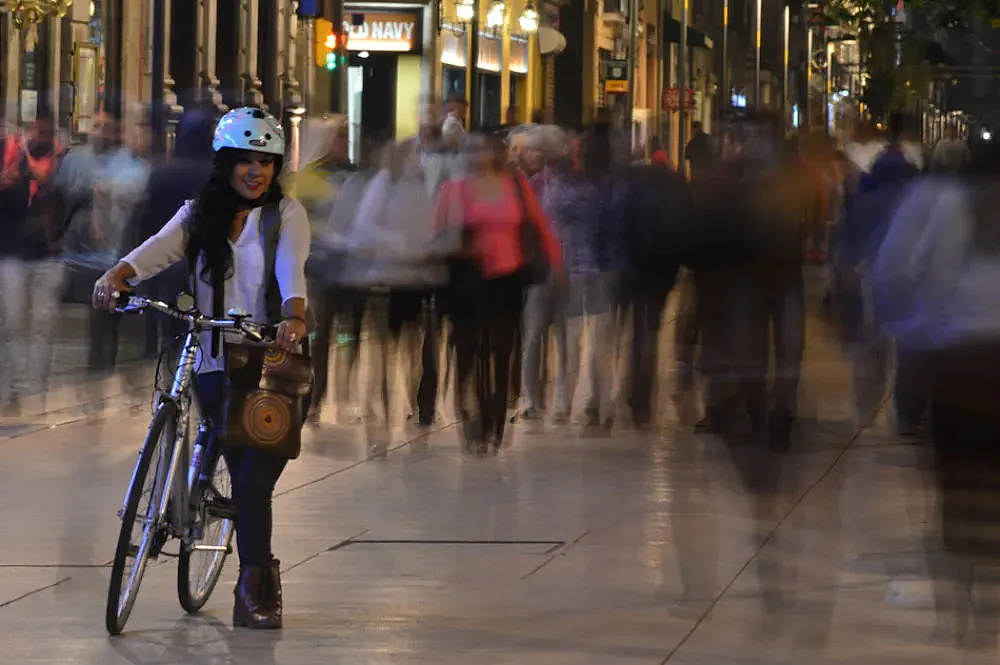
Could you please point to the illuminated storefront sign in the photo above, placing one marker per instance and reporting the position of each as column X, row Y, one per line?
column 397, row 32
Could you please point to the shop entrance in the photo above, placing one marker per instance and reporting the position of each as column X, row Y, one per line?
column 371, row 95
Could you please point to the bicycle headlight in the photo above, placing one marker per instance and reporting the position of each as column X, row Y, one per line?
column 185, row 302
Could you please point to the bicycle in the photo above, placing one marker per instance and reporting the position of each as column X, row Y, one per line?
column 195, row 508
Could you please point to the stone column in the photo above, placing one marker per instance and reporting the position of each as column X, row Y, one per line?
column 166, row 111
column 291, row 89
column 250, row 83
column 10, row 49
column 208, row 83
column 292, row 108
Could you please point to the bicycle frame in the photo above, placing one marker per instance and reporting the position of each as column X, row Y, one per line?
column 168, row 482
column 176, row 454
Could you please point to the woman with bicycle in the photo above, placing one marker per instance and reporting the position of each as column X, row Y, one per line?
column 223, row 235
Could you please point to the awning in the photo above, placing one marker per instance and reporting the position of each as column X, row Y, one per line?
column 696, row 38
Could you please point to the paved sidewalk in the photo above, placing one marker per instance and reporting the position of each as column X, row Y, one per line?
column 567, row 548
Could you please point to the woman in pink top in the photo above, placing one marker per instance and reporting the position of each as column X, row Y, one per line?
column 487, row 291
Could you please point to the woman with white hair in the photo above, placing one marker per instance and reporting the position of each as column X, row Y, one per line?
column 318, row 184
column 542, row 149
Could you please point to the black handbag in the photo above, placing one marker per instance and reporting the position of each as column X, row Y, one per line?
column 536, row 267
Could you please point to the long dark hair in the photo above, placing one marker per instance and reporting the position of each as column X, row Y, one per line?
column 215, row 206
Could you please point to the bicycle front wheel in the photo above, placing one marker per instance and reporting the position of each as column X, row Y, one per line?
column 198, row 570
column 140, row 521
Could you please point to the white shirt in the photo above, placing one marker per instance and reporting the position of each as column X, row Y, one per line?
column 246, row 289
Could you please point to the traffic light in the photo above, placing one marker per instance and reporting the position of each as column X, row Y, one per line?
column 326, row 44
column 331, row 51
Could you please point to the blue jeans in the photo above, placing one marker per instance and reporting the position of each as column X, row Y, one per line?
column 254, row 475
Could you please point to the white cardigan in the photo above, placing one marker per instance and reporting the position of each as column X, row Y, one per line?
column 245, row 290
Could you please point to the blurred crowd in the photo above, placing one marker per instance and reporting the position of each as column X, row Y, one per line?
column 750, row 208
column 578, row 245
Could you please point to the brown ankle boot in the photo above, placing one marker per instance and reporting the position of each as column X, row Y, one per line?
column 249, row 610
column 271, row 596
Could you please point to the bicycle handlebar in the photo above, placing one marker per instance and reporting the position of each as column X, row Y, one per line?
column 127, row 303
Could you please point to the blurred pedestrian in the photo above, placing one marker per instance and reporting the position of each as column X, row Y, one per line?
column 172, row 182
column 101, row 184
column 544, row 156
column 318, row 185
column 31, row 274
column 489, row 206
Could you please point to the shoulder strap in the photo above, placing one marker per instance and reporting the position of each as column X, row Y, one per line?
column 270, row 232
column 519, row 184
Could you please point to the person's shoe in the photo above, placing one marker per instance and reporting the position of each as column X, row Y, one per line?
column 780, row 431
column 271, row 590
column 249, row 610
column 315, row 416
column 13, row 407
column 531, row 414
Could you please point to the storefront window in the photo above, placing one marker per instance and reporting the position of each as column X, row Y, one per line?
column 454, row 50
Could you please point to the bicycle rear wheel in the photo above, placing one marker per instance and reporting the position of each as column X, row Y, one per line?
column 140, row 511
column 198, row 571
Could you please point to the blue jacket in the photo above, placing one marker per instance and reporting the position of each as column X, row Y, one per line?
column 870, row 207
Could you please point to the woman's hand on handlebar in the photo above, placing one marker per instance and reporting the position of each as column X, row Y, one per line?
column 291, row 333
column 110, row 285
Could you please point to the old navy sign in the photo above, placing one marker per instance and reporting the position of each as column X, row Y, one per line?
column 368, row 31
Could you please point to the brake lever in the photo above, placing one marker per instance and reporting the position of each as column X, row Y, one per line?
column 123, row 303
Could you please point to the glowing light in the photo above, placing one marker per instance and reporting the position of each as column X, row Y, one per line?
column 529, row 18
column 464, row 11
column 495, row 14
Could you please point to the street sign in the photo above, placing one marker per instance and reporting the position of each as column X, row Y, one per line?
column 672, row 99
column 616, row 70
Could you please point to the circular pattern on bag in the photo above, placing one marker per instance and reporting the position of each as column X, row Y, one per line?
column 277, row 360
column 267, row 419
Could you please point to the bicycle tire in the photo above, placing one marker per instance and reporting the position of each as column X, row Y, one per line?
column 194, row 599
column 118, row 611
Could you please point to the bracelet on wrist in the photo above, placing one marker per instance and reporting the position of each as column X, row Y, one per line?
column 295, row 318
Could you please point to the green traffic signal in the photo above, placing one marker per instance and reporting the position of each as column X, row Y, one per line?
column 331, row 61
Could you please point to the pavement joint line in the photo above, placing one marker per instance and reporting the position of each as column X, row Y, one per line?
column 74, row 566
column 446, row 541
column 332, row 548
column 10, row 602
column 774, row 531
column 556, row 553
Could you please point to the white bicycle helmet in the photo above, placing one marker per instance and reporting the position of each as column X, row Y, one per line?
column 249, row 129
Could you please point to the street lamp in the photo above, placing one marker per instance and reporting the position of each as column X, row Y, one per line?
column 529, row 18
column 34, row 11
column 495, row 15
column 465, row 10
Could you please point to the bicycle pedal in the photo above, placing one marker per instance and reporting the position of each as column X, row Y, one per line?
column 221, row 508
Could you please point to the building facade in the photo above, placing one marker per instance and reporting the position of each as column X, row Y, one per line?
column 122, row 57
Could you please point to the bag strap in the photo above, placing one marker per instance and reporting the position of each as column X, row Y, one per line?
column 521, row 195
column 270, row 231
